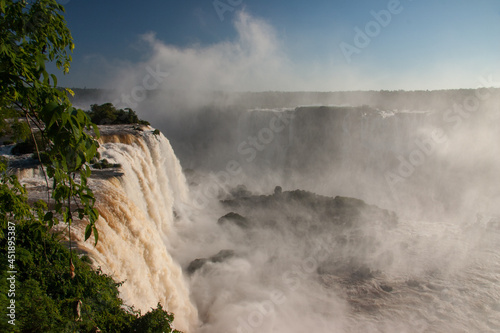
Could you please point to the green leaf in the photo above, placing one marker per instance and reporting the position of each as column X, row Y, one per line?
column 48, row 216
column 54, row 79
column 88, row 231
column 96, row 131
column 96, row 235
column 66, row 217
column 93, row 214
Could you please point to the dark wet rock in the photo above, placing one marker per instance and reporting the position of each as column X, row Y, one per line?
column 121, row 129
column 278, row 190
column 347, row 227
column 199, row 263
column 196, row 264
column 342, row 211
column 386, row 288
column 106, row 173
column 362, row 273
column 413, row 284
column 240, row 191
column 222, row 256
column 235, row 219
column 24, row 162
column 23, row 148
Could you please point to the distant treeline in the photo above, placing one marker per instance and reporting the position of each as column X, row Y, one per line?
column 383, row 99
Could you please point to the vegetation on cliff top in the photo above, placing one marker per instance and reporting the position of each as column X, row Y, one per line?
column 107, row 114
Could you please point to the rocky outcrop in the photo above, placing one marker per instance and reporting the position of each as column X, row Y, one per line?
column 352, row 227
column 308, row 208
column 199, row 263
column 234, row 218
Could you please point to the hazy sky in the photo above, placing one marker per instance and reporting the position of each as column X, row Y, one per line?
column 286, row 45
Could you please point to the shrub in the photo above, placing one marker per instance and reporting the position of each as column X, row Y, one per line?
column 107, row 114
column 104, row 164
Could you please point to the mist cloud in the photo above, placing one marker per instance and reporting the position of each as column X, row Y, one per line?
column 253, row 61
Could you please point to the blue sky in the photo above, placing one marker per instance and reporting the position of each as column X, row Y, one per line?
column 423, row 44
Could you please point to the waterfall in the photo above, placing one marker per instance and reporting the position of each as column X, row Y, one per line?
column 298, row 266
column 138, row 206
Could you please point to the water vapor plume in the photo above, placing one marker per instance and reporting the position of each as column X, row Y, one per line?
column 254, row 60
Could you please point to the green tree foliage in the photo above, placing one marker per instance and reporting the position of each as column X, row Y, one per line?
column 12, row 127
column 156, row 320
column 33, row 33
column 14, row 204
column 107, row 114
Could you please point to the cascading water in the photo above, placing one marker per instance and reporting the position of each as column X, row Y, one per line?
column 137, row 220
